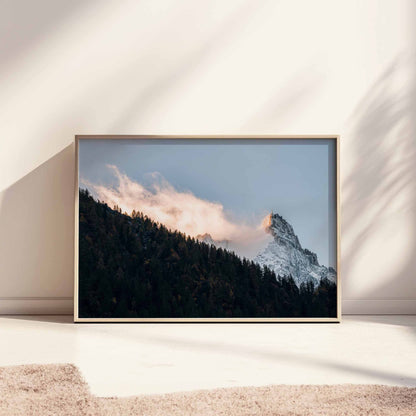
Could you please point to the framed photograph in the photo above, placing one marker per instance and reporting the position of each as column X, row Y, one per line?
column 207, row 229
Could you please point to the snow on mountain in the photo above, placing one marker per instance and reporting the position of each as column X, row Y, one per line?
column 285, row 255
column 206, row 238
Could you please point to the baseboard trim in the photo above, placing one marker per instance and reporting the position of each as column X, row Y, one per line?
column 65, row 305
column 36, row 306
column 379, row 306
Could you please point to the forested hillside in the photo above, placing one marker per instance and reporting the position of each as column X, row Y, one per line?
column 130, row 266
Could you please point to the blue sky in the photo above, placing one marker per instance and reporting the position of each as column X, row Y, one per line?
column 250, row 178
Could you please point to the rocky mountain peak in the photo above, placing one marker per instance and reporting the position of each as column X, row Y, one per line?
column 281, row 230
column 286, row 257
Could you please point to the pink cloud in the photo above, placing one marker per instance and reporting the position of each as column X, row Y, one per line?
column 180, row 210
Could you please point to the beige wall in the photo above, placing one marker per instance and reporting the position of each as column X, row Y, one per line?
column 205, row 67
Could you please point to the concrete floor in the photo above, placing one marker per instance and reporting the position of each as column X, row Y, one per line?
column 130, row 359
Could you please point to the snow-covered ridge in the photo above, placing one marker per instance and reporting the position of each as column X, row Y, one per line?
column 206, row 238
column 285, row 255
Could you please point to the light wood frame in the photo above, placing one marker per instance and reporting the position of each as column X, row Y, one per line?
column 334, row 137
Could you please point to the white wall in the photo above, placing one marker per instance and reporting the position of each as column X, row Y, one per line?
column 204, row 67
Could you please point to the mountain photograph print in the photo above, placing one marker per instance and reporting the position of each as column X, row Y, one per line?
column 206, row 229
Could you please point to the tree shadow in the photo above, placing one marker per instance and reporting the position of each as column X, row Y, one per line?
column 378, row 190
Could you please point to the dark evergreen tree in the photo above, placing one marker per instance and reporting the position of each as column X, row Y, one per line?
column 131, row 266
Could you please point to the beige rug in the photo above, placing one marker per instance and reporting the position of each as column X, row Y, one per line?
column 60, row 390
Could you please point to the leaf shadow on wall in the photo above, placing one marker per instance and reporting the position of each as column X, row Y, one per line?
column 37, row 225
column 378, row 189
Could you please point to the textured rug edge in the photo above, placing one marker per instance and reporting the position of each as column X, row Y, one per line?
column 61, row 389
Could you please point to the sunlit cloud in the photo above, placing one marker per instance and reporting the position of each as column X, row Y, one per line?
column 180, row 210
